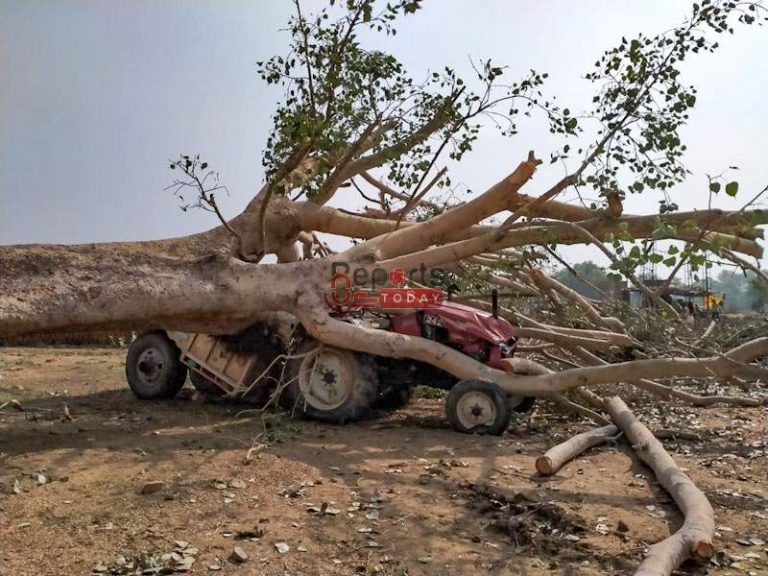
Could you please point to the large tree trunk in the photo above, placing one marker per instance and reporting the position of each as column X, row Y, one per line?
column 57, row 288
column 130, row 286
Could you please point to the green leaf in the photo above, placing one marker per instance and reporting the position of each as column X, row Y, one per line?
column 698, row 259
column 732, row 188
column 655, row 258
column 714, row 187
column 689, row 225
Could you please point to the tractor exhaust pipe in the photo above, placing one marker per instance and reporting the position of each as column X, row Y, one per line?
column 495, row 303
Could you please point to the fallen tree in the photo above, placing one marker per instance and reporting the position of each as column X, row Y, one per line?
column 353, row 118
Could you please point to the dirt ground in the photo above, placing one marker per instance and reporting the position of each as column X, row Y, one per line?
column 397, row 494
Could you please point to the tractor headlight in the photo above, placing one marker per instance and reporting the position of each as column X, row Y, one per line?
column 506, row 347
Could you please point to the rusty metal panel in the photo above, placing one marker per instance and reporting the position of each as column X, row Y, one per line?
column 209, row 356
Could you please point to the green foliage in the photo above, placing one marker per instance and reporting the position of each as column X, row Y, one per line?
column 715, row 184
column 348, row 109
column 588, row 277
column 641, row 107
column 642, row 104
column 343, row 102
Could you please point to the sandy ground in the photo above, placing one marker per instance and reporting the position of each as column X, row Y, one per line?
column 397, row 494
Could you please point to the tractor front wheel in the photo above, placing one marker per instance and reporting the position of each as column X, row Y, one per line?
column 478, row 407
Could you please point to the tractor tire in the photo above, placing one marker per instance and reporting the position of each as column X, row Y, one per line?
column 519, row 404
column 153, row 368
column 478, row 407
column 330, row 384
column 204, row 385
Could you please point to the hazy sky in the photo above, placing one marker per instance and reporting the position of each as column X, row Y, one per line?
column 95, row 97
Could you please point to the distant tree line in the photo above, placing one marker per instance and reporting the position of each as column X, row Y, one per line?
column 744, row 291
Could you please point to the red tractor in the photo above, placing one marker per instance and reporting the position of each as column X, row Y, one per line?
column 334, row 384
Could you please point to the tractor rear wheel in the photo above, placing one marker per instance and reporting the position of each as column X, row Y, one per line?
column 330, row 384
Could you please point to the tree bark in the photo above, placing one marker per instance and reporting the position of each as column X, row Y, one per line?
column 554, row 458
column 694, row 537
column 664, row 391
column 59, row 288
column 196, row 284
column 114, row 286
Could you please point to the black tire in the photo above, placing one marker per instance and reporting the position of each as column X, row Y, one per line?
column 204, row 385
column 359, row 370
column 490, row 408
column 153, row 368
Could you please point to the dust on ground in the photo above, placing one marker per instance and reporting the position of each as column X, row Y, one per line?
column 396, row 494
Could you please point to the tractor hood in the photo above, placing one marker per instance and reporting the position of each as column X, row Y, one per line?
column 465, row 320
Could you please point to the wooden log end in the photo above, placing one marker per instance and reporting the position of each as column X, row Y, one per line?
column 544, row 466
column 703, row 549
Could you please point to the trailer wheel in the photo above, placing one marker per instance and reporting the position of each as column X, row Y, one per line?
column 478, row 407
column 330, row 384
column 153, row 368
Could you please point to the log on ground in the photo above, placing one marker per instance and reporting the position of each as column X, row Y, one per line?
column 694, row 538
column 554, row 458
